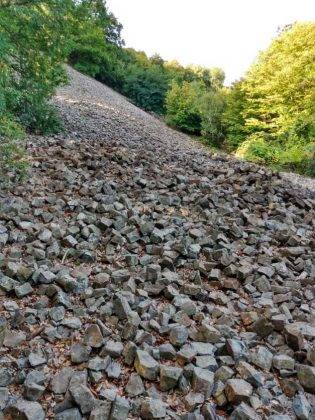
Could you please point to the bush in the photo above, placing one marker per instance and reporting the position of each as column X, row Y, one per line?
column 182, row 109
column 147, row 87
column 212, row 105
column 33, row 44
column 294, row 154
column 12, row 150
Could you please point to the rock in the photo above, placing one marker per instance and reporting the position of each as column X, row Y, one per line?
column 306, row 376
column 80, row 353
column 120, row 409
column 238, row 390
column 202, row 381
column 70, row 414
column 23, row 290
column 60, row 381
column 83, row 397
column 152, row 409
column 93, row 336
column 135, row 386
column 22, row 409
column 113, row 348
column 193, row 399
column 37, row 359
column 33, row 391
column 282, row 361
column 146, row 366
column 178, row 335
column 169, row 376
column 301, row 407
column 13, row 339
column 262, row 358
column 4, row 396
column 6, row 377
column 244, row 412
column 3, row 330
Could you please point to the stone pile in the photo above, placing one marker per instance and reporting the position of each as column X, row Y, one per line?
column 142, row 278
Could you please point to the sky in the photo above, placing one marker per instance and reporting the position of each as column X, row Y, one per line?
column 212, row 33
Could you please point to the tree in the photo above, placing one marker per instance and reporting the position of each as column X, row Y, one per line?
column 212, row 105
column 182, row 107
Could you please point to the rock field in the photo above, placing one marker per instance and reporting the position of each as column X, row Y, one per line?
column 142, row 277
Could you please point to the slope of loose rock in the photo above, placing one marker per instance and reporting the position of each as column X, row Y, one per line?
column 143, row 278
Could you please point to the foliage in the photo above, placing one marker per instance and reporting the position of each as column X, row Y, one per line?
column 272, row 109
column 182, row 107
column 33, row 45
column 146, row 87
column 212, row 105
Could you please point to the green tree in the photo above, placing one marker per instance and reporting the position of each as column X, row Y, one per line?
column 212, row 105
column 182, row 107
column 33, row 45
column 147, row 87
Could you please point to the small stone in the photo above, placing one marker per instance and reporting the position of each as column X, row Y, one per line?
column 301, row 407
column 120, row 409
column 70, row 414
column 202, row 381
column 113, row 348
column 26, row 410
column 146, row 366
column 178, row 335
column 152, row 409
column 83, row 397
column 283, row 362
column 306, row 376
column 134, row 386
column 238, row 390
column 60, row 381
column 79, row 353
column 5, row 377
column 93, row 336
column 23, row 290
column 262, row 358
column 37, row 359
column 193, row 399
column 33, row 391
column 169, row 377
column 244, row 412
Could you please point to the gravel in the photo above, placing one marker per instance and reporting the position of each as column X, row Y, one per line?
column 142, row 276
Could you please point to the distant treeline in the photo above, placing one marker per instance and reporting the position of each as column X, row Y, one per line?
column 267, row 117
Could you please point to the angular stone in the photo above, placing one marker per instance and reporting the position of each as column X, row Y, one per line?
column 282, row 361
column 83, row 397
column 80, row 353
column 306, row 376
column 146, row 366
column 26, row 410
column 238, row 390
column 202, row 381
column 169, row 376
column 120, row 409
column 93, row 336
column 178, row 335
column 152, row 409
column 60, row 381
column 244, row 412
column 70, row 414
column 301, row 407
column 262, row 358
column 134, row 386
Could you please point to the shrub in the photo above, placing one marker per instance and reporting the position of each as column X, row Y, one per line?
column 147, row 87
column 182, row 109
column 212, row 105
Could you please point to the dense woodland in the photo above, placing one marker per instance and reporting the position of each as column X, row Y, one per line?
column 267, row 117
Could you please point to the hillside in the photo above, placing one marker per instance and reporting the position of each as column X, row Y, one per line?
column 144, row 277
